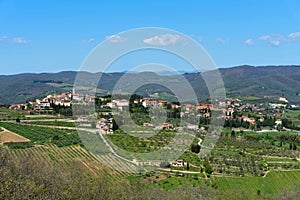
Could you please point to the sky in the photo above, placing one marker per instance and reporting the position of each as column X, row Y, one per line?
column 52, row 36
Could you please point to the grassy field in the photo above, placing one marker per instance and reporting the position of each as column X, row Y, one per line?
column 41, row 117
column 272, row 184
column 174, row 182
column 249, row 187
column 7, row 114
column 293, row 115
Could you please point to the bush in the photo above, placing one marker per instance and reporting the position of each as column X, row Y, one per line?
column 18, row 145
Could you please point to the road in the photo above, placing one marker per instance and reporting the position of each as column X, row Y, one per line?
column 112, row 150
column 180, row 171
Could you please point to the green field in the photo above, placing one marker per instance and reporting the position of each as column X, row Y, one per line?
column 42, row 135
column 248, row 187
column 294, row 116
column 272, row 184
column 6, row 114
column 52, row 123
column 174, row 182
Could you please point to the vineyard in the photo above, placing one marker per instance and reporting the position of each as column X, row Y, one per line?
column 237, row 164
column 42, row 135
column 65, row 157
column 65, row 146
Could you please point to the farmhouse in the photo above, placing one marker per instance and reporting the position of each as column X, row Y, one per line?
column 178, row 163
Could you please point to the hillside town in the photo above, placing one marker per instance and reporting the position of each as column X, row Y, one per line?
column 64, row 99
column 233, row 108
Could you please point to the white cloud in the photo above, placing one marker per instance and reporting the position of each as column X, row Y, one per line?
column 221, row 41
column 3, row 38
column 249, row 41
column 164, row 40
column 264, row 37
column 275, row 43
column 90, row 40
column 115, row 38
column 20, row 40
column 274, row 39
column 294, row 35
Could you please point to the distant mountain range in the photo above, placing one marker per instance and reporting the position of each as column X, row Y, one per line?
column 262, row 82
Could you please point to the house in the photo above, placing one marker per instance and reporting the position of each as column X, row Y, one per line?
column 149, row 102
column 162, row 103
column 111, row 104
column 278, row 122
column 166, row 126
column 229, row 111
column 277, row 105
column 188, row 107
column 250, row 120
column 148, row 124
column 42, row 105
column 66, row 103
column 18, row 107
column 193, row 127
column 282, row 99
column 136, row 101
column 178, row 163
column 204, row 106
column 121, row 102
column 76, row 97
column 175, row 106
column 105, row 125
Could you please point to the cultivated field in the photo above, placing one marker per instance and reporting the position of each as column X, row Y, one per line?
column 8, row 136
column 66, row 157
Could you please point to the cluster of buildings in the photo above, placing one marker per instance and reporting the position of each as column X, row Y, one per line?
column 120, row 104
column 105, row 125
column 63, row 99
column 227, row 107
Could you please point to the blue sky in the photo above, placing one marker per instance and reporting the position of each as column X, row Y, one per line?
column 50, row 36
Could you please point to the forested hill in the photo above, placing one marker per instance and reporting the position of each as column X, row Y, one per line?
column 262, row 81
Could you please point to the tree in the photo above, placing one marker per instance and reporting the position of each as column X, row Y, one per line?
column 207, row 168
column 164, row 164
column 195, row 148
column 279, row 127
column 93, row 125
column 258, row 192
column 18, row 120
column 115, row 126
column 233, row 135
column 188, row 166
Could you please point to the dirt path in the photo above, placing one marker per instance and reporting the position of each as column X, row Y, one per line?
column 180, row 171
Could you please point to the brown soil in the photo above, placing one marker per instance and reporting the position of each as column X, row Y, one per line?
column 8, row 136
